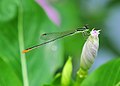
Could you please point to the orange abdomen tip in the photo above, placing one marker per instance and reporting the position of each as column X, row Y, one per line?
column 25, row 51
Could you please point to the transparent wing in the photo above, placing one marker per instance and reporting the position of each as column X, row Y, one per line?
column 55, row 35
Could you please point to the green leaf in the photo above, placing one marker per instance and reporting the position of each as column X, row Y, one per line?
column 106, row 75
column 42, row 62
column 66, row 73
column 9, row 49
column 57, row 79
column 8, row 76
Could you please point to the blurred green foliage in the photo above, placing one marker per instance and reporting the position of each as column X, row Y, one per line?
column 107, row 75
column 42, row 63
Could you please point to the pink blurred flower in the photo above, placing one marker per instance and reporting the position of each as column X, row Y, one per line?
column 50, row 11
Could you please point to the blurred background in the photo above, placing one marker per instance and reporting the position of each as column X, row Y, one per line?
column 56, row 16
column 99, row 14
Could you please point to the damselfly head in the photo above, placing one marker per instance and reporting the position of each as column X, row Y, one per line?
column 85, row 28
column 43, row 34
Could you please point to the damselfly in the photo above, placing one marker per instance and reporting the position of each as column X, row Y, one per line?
column 50, row 37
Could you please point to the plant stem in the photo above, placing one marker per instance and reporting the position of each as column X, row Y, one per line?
column 21, row 45
column 81, row 75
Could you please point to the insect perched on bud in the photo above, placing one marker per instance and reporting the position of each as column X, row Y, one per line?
column 89, row 52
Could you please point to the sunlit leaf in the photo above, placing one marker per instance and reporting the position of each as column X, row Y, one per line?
column 66, row 73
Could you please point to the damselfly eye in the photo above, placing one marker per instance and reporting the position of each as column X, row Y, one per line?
column 44, row 34
column 86, row 26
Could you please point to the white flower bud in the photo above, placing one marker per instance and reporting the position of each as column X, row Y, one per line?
column 89, row 51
